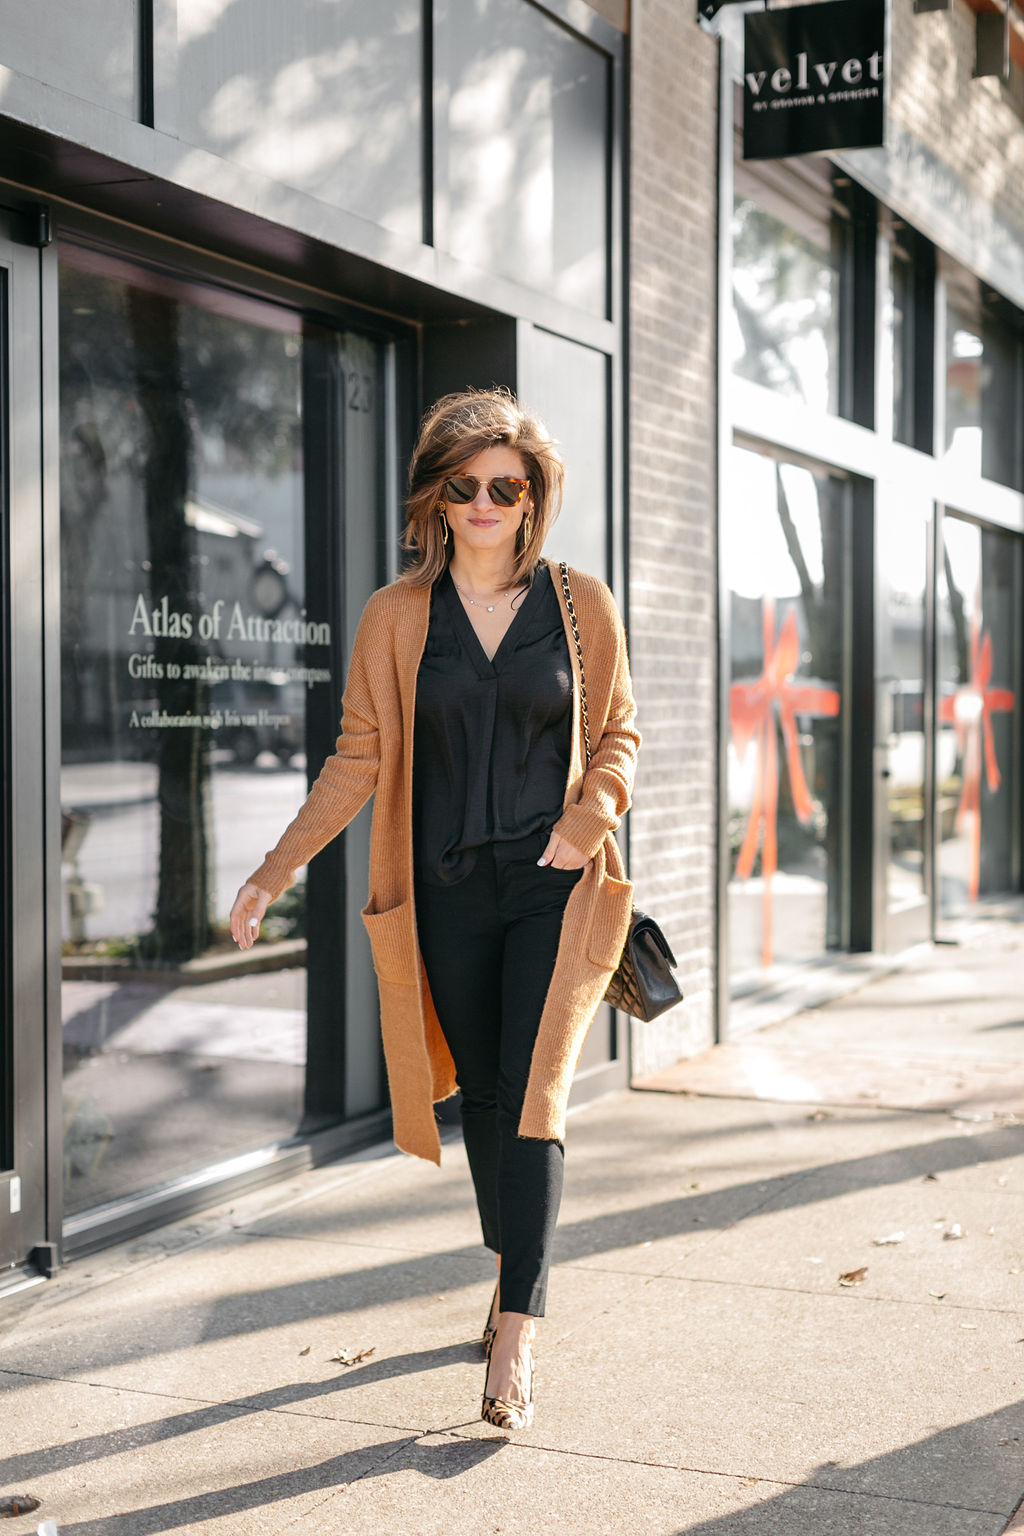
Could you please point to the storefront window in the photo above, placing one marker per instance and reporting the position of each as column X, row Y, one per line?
column 984, row 378
column 523, row 152
column 978, row 769
column 905, row 377
column 188, row 658
column 784, row 329
column 899, row 314
column 782, row 549
column 902, row 528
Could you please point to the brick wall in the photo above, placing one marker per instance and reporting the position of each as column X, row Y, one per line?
column 972, row 125
column 672, row 589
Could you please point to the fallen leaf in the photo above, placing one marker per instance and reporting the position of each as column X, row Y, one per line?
column 306, row 1350
column 930, row 1178
column 971, row 1327
column 854, row 1276
column 344, row 1357
column 952, row 1233
column 17, row 1504
column 888, row 1242
column 939, row 1295
column 749, row 1482
column 693, row 1186
column 821, row 1114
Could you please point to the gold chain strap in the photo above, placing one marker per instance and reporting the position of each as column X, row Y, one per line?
column 564, row 568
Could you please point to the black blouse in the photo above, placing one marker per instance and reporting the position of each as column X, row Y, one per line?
column 492, row 738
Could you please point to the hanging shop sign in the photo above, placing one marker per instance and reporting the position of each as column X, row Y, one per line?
column 813, row 78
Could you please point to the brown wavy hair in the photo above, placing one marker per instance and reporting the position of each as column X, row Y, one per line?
column 455, row 429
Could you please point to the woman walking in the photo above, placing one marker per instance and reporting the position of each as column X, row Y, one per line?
column 498, row 907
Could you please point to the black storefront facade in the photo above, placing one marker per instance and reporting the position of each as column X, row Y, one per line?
column 234, row 267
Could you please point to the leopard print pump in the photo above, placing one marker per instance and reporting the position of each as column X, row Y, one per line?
column 504, row 1414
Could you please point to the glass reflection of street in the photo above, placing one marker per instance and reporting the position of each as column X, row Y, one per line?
column 188, row 660
column 117, row 856
column 161, row 1076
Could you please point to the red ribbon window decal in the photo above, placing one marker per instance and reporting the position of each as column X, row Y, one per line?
column 970, row 711
column 754, row 707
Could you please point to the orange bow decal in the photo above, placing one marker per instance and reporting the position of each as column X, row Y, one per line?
column 970, row 710
column 754, row 707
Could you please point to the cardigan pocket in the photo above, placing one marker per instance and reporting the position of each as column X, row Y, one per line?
column 610, row 922
column 392, row 942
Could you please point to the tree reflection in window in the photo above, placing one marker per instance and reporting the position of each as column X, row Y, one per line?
column 785, row 321
column 163, row 398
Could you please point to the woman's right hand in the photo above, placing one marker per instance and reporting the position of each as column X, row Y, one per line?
column 247, row 913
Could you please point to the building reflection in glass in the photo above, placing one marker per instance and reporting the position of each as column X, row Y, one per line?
column 187, row 656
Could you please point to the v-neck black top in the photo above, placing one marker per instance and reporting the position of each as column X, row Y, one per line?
column 491, row 744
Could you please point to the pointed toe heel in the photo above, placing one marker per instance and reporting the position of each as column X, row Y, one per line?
column 503, row 1413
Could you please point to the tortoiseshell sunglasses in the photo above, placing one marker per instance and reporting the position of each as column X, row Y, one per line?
column 504, row 490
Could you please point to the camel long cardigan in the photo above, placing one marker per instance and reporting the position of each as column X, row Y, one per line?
column 374, row 756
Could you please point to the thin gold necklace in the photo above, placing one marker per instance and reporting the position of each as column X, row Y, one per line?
column 472, row 602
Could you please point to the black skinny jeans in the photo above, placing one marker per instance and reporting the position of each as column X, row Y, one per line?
column 489, row 945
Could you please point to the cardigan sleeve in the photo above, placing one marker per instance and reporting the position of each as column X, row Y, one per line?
column 608, row 782
column 347, row 779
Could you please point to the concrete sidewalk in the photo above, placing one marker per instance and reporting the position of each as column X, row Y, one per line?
column 703, row 1368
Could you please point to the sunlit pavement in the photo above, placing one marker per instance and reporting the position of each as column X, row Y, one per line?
column 788, row 1299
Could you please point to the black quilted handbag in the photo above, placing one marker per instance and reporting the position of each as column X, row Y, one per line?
column 643, row 984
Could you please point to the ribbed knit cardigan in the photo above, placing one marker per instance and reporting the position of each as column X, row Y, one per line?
column 373, row 756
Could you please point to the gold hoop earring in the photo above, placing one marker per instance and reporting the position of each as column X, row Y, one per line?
column 444, row 523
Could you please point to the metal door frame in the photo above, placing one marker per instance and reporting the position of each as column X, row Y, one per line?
column 30, row 1189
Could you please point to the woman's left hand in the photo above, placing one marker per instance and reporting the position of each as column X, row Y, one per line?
column 562, row 855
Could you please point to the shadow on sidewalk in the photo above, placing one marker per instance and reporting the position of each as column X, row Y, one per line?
column 992, row 1441
column 72, row 1453
column 441, row 1460
column 328, row 1296
column 717, row 1210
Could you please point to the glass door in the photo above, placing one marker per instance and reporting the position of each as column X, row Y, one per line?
column 783, row 544
column 978, row 727
column 205, row 582
column 902, row 904
column 23, row 1208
